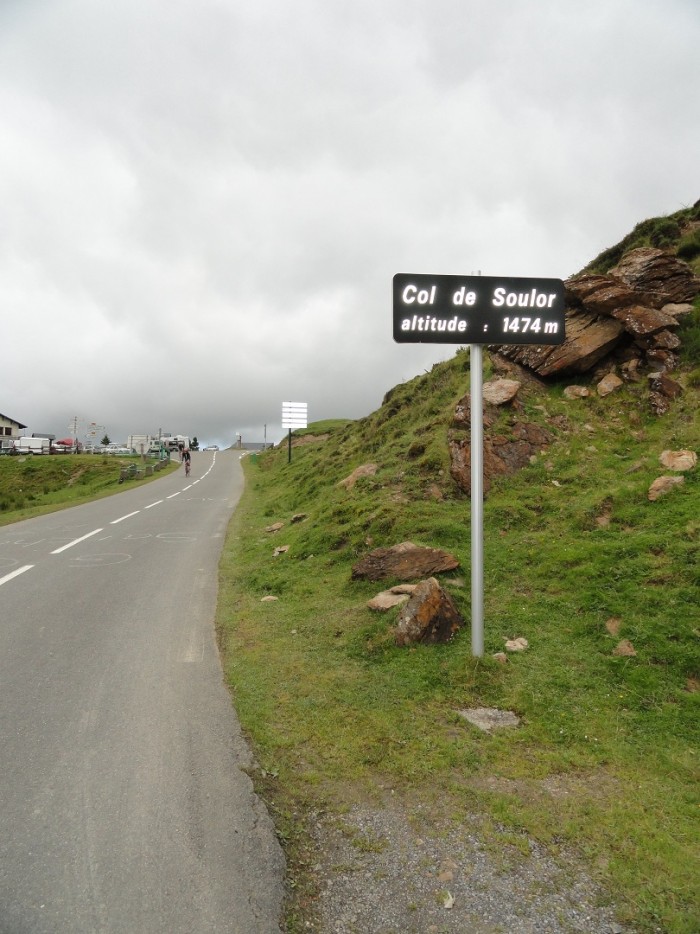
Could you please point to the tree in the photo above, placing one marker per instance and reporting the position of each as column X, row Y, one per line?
column 194, row 444
column 105, row 440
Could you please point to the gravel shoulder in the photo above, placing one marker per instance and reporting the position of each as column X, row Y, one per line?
column 390, row 870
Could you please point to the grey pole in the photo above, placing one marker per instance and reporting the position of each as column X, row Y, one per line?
column 477, row 497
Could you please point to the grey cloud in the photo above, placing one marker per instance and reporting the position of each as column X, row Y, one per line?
column 220, row 193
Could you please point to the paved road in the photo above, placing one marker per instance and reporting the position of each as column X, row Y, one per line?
column 124, row 807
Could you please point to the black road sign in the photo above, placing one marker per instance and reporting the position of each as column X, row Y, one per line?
column 477, row 310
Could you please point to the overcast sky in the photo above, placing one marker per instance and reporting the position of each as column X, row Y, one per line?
column 203, row 204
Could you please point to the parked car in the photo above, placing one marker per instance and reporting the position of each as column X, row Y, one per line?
column 117, row 449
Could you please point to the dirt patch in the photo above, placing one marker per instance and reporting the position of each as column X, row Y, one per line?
column 74, row 477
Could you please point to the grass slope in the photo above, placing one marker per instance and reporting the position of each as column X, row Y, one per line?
column 32, row 485
column 576, row 559
column 678, row 233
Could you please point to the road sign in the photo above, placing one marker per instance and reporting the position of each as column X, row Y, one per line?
column 294, row 415
column 477, row 310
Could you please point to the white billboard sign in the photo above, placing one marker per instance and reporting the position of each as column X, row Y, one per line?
column 294, row 415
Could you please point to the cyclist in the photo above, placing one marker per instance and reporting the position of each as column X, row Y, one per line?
column 187, row 462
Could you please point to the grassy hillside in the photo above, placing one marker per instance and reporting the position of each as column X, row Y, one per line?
column 605, row 761
column 678, row 233
column 32, row 485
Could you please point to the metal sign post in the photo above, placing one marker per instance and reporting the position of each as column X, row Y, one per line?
column 477, row 310
column 477, row 496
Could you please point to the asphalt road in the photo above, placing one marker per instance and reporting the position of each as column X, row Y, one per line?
column 124, row 804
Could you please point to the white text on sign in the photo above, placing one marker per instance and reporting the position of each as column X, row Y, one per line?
column 478, row 310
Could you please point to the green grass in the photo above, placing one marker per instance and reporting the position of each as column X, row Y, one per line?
column 605, row 763
column 32, row 485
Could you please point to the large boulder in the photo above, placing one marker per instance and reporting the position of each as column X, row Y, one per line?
column 430, row 616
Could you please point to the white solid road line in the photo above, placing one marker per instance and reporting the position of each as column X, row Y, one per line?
column 8, row 577
column 58, row 551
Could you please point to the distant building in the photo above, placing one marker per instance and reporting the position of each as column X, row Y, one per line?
column 9, row 430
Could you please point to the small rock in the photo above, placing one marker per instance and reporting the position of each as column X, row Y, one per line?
column 676, row 309
column 500, row 391
column 275, row 527
column 365, row 470
column 516, row 645
column 625, row 649
column 678, row 460
column 613, row 625
column 663, row 485
column 662, row 384
column 298, row 517
column 501, row 658
column 280, row 550
column 489, row 718
column 659, row 403
column 268, row 599
column 576, row 392
column 630, row 370
column 608, row 384
column 403, row 588
column 386, row 600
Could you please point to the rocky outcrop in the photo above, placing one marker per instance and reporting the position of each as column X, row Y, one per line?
column 503, row 454
column 631, row 313
column 405, row 561
column 657, row 273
